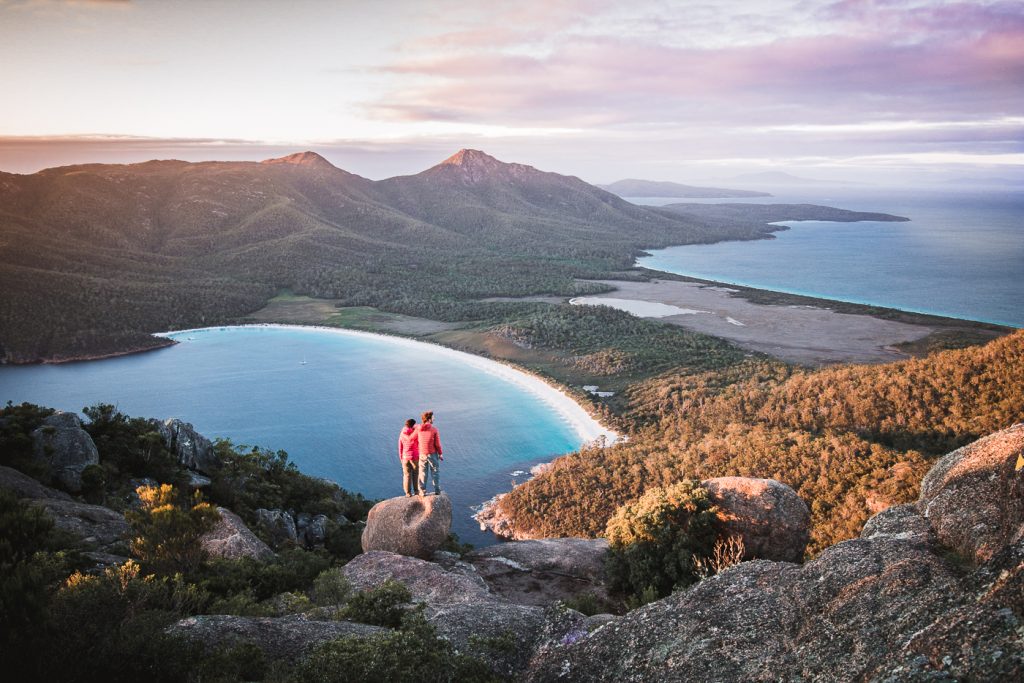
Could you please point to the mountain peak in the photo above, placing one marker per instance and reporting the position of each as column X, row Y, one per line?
column 307, row 158
column 470, row 157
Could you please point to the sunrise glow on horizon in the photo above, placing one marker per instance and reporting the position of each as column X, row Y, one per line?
column 605, row 90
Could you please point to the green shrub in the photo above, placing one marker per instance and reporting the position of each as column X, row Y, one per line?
column 331, row 588
column 653, row 540
column 343, row 542
column 586, row 603
column 261, row 478
column 26, row 573
column 166, row 531
column 292, row 570
column 382, row 606
column 414, row 654
column 242, row 604
column 130, row 448
column 111, row 627
column 16, row 425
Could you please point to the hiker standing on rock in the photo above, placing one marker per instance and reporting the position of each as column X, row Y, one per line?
column 430, row 453
column 409, row 455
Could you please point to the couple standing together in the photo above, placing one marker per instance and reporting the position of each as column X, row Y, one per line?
column 419, row 449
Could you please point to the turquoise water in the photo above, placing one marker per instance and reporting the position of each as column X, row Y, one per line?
column 961, row 255
column 338, row 415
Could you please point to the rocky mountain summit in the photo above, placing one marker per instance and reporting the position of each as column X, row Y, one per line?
column 929, row 591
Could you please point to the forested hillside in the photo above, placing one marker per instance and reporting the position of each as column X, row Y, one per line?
column 851, row 440
column 93, row 257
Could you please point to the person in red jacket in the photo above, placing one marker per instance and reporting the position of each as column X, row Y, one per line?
column 409, row 456
column 429, row 443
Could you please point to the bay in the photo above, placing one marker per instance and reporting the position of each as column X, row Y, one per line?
column 961, row 255
column 335, row 401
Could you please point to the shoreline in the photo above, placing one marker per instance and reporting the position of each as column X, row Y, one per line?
column 813, row 296
column 556, row 397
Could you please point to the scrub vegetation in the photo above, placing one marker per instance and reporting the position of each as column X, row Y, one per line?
column 61, row 619
column 850, row 440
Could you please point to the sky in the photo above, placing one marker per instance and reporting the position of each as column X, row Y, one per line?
column 865, row 90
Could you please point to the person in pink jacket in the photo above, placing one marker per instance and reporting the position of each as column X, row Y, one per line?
column 409, row 456
column 429, row 443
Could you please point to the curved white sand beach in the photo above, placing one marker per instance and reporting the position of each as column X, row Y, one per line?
column 588, row 428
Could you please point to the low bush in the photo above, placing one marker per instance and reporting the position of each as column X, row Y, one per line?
column 382, row 606
column 654, row 539
column 414, row 653
column 167, row 529
column 331, row 588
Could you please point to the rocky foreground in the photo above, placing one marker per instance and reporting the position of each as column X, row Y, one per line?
column 930, row 591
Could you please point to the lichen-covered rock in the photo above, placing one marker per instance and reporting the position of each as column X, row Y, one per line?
column 427, row 581
column 974, row 497
column 66, row 448
column 280, row 638
column 25, row 486
column 502, row 634
column 770, row 517
column 194, row 451
column 278, row 525
column 231, row 539
column 415, row 526
column 93, row 525
column 459, row 604
column 538, row 572
column 899, row 521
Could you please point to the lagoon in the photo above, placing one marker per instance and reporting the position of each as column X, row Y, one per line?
column 335, row 401
column 961, row 255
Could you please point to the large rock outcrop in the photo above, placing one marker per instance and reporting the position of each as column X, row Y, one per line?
column 410, row 525
column 541, row 571
column 194, row 451
column 427, row 581
column 287, row 638
column 65, row 448
column 463, row 609
column 277, row 525
column 769, row 516
column 25, row 486
column 94, row 526
column 892, row 605
column 231, row 539
column 974, row 497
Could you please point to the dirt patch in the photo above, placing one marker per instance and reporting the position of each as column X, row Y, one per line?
column 807, row 335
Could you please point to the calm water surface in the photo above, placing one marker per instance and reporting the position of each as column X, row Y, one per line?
column 338, row 415
column 961, row 254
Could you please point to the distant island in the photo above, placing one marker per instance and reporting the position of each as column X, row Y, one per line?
column 632, row 187
column 773, row 213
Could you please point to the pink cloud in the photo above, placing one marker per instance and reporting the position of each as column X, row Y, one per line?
column 972, row 63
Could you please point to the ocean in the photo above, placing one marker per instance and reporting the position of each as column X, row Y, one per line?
column 334, row 401
column 961, row 255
